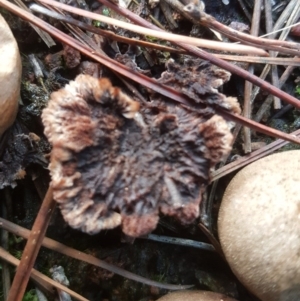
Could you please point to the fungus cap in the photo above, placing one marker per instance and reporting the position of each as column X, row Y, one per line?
column 259, row 226
column 116, row 161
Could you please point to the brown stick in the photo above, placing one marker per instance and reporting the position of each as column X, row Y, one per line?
column 40, row 278
column 291, row 48
column 32, row 248
column 111, row 35
column 247, row 110
column 266, row 104
column 260, row 153
column 269, row 28
column 161, row 34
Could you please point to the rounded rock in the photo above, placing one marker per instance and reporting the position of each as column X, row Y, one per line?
column 195, row 296
column 259, row 226
column 10, row 76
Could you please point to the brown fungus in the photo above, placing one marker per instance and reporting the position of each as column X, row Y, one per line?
column 117, row 162
column 200, row 81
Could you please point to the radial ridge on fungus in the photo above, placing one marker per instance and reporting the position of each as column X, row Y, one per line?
column 117, row 162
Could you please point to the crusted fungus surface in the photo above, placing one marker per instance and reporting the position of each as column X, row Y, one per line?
column 117, row 162
column 200, row 81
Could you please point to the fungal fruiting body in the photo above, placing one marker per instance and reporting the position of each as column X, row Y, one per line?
column 119, row 162
column 259, row 226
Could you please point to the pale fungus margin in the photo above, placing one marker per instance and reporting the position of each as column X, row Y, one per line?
column 259, row 226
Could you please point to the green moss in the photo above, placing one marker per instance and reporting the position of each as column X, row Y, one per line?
column 30, row 296
column 297, row 90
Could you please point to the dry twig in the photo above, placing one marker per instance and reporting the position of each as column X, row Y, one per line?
column 160, row 33
column 248, row 85
column 210, row 57
column 32, row 248
column 40, row 278
column 260, row 153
